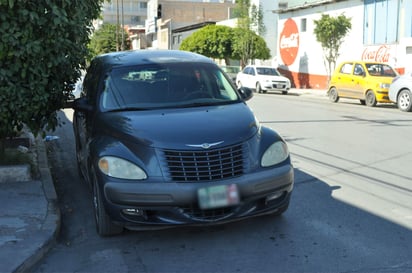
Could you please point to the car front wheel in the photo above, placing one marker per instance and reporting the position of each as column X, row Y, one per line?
column 104, row 225
column 333, row 95
column 258, row 88
column 370, row 99
column 404, row 101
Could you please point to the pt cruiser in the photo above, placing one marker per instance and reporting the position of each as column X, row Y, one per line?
column 164, row 139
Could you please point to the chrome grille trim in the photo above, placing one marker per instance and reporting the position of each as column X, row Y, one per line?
column 205, row 165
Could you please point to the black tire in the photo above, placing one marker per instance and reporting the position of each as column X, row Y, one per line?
column 104, row 225
column 362, row 102
column 284, row 92
column 404, row 101
column 333, row 95
column 258, row 88
column 370, row 99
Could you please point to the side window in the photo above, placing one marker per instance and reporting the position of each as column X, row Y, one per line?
column 346, row 68
column 246, row 70
column 359, row 71
column 91, row 82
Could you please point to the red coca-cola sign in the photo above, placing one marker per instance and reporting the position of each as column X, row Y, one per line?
column 289, row 42
column 377, row 54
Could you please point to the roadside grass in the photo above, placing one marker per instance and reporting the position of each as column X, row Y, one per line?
column 12, row 156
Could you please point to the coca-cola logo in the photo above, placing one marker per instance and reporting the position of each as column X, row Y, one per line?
column 377, row 54
column 289, row 42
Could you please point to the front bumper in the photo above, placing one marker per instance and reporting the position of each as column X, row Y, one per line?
column 163, row 204
column 382, row 96
column 276, row 87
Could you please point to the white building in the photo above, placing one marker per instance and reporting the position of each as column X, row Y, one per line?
column 381, row 31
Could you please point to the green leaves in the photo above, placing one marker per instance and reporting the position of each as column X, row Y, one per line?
column 330, row 32
column 43, row 45
column 222, row 42
column 104, row 40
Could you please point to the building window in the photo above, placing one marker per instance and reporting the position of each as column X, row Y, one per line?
column 380, row 21
column 303, row 25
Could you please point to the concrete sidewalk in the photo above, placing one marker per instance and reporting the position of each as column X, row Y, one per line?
column 30, row 217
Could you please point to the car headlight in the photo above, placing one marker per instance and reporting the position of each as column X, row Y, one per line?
column 120, row 168
column 384, row 85
column 276, row 153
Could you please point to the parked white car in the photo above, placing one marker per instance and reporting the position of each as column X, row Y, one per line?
column 400, row 92
column 262, row 79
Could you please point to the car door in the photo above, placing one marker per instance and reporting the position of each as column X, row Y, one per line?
column 342, row 80
column 357, row 85
column 248, row 77
column 83, row 117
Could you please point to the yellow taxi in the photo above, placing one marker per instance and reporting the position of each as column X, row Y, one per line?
column 366, row 81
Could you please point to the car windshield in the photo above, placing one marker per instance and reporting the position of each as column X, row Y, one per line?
column 166, row 86
column 381, row 70
column 267, row 71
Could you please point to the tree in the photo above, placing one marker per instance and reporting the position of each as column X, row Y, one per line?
column 213, row 41
column 247, row 45
column 104, row 40
column 43, row 45
column 330, row 33
column 221, row 42
column 250, row 18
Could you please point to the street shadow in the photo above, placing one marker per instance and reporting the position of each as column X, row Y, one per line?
column 318, row 233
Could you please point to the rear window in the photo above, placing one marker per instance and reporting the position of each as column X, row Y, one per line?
column 346, row 68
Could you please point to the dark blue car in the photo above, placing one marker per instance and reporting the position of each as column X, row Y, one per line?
column 164, row 139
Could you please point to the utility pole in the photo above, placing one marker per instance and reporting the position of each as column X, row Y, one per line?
column 117, row 26
column 122, row 29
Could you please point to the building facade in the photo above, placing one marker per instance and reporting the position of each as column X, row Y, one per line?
column 381, row 31
column 166, row 19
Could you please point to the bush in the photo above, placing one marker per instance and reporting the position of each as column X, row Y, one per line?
column 43, row 47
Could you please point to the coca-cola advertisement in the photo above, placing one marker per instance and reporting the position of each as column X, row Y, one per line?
column 381, row 54
column 289, row 42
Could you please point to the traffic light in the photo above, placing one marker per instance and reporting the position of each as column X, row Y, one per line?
column 159, row 11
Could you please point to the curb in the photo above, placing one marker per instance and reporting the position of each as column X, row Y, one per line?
column 52, row 221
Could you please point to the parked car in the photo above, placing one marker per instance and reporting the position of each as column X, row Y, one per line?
column 366, row 81
column 231, row 71
column 164, row 139
column 262, row 79
column 400, row 92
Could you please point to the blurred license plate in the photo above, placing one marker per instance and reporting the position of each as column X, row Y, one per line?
column 218, row 196
column 279, row 85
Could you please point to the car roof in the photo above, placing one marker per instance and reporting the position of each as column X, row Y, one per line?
column 148, row 56
column 363, row 62
column 264, row 66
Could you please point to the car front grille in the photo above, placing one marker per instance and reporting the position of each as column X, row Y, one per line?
column 210, row 215
column 205, row 165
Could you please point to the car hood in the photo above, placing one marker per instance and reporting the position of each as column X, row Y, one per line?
column 178, row 128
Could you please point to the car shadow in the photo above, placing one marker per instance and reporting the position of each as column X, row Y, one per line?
column 318, row 233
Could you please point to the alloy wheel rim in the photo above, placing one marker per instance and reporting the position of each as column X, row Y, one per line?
column 404, row 100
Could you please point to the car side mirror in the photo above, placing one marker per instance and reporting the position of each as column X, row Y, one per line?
column 82, row 104
column 245, row 93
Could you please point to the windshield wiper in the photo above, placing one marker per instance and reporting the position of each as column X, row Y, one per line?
column 129, row 109
column 203, row 103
